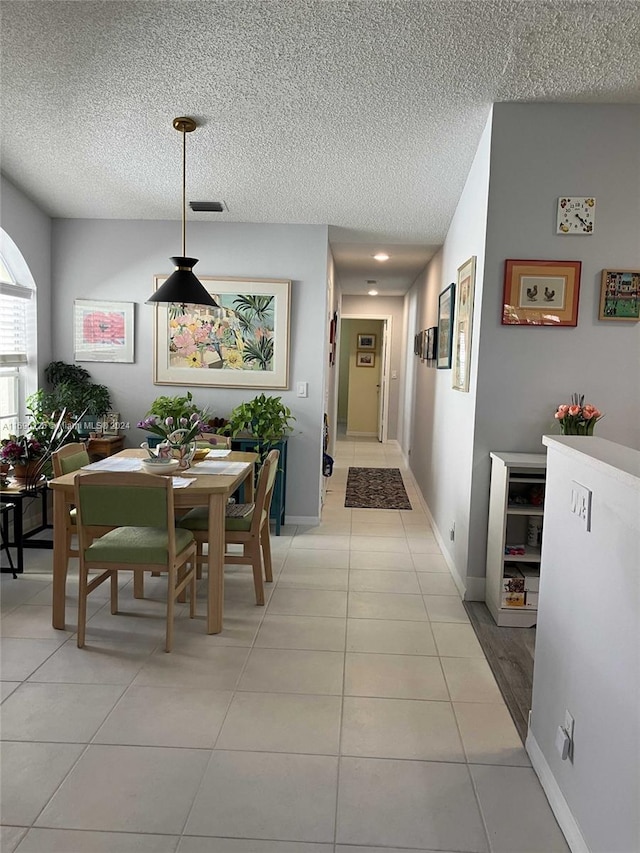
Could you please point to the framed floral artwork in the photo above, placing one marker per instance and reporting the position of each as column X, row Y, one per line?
column 445, row 319
column 541, row 293
column 242, row 344
column 463, row 325
column 103, row 331
column 620, row 295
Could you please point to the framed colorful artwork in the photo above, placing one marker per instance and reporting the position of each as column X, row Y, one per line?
column 103, row 331
column 242, row 344
column 541, row 293
column 463, row 325
column 445, row 319
column 365, row 359
column 620, row 295
column 366, row 341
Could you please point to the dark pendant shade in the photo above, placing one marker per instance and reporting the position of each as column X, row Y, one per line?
column 183, row 286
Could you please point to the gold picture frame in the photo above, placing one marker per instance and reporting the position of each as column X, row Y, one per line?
column 365, row 358
column 620, row 296
column 242, row 344
column 463, row 325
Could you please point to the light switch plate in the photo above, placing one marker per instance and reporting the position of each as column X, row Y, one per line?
column 581, row 503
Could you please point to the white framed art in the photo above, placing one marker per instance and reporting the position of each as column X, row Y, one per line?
column 103, row 331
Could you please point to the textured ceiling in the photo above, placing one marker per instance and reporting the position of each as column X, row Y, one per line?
column 363, row 115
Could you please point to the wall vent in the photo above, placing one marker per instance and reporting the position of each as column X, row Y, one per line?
column 207, row 206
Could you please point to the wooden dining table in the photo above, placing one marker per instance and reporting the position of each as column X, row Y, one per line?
column 210, row 490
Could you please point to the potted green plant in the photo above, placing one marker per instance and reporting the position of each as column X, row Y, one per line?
column 261, row 425
column 167, row 415
column 72, row 392
column 264, row 418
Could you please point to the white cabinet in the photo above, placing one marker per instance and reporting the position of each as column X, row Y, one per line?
column 516, row 510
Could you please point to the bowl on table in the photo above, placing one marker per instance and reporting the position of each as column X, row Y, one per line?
column 159, row 465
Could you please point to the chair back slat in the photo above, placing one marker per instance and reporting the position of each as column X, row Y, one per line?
column 114, row 499
column 266, row 480
column 70, row 457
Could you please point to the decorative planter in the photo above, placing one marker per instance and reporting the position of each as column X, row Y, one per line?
column 28, row 473
column 578, row 429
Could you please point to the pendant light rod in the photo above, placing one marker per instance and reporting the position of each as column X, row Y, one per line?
column 182, row 286
column 184, row 124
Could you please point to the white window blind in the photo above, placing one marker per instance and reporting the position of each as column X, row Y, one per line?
column 14, row 299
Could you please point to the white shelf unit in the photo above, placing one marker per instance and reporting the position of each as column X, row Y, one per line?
column 513, row 476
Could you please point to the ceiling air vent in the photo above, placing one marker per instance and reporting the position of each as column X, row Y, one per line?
column 207, row 206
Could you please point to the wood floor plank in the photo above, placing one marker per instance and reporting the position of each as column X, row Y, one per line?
column 509, row 653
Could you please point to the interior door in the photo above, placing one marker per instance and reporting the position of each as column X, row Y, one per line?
column 382, row 387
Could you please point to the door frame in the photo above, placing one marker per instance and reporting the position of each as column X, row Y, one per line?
column 385, row 369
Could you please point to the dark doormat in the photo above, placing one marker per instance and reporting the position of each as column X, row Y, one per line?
column 376, row 488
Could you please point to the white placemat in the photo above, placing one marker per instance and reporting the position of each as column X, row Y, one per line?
column 212, row 467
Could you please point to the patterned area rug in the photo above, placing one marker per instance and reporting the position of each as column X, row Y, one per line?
column 376, row 488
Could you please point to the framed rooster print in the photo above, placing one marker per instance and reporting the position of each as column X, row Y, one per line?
column 541, row 293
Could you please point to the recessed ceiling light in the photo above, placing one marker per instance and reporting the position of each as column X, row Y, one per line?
column 372, row 292
column 381, row 256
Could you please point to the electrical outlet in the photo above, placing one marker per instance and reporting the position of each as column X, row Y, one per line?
column 581, row 504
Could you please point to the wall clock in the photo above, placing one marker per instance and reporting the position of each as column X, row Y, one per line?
column 576, row 215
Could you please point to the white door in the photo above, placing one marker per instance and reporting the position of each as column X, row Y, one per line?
column 382, row 387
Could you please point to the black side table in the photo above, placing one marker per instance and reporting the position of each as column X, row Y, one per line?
column 14, row 494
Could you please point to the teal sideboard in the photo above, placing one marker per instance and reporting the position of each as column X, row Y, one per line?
column 278, row 501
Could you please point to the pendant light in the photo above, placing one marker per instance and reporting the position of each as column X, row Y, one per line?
column 182, row 285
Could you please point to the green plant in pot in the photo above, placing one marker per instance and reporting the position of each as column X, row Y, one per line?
column 264, row 418
column 72, row 392
column 171, row 413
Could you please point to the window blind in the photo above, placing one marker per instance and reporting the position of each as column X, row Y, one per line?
column 14, row 300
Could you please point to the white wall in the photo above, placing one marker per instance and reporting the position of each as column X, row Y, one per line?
column 443, row 421
column 588, row 645
column 30, row 229
column 380, row 307
column 111, row 259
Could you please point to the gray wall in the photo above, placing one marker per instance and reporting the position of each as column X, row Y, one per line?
column 30, row 230
column 111, row 259
column 540, row 152
column 519, row 375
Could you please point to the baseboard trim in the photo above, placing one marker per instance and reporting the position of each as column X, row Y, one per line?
column 303, row 520
column 559, row 805
column 441, row 542
column 475, row 589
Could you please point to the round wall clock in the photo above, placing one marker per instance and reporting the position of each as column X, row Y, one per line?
column 576, row 215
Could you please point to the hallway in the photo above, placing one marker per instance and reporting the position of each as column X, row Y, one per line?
column 354, row 713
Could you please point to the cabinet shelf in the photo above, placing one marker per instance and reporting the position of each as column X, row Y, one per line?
column 512, row 477
column 524, row 509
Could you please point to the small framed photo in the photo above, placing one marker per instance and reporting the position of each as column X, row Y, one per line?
column 365, row 359
column 445, row 320
column 366, row 341
column 620, row 295
column 432, row 336
column 103, row 331
column 541, row 293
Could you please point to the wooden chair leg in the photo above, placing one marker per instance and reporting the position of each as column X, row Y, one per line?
column 82, row 606
column 138, row 585
column 114, row 592
column 265, row 539
column 171, row 599
column 256, row 565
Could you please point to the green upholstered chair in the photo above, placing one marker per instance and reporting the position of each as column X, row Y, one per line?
column 138, row 509
column 246, row 525
column 69, row 458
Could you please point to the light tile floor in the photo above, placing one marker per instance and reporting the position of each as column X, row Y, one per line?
column 354, row 713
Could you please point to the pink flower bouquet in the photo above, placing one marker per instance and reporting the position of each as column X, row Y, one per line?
column 578, row 417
